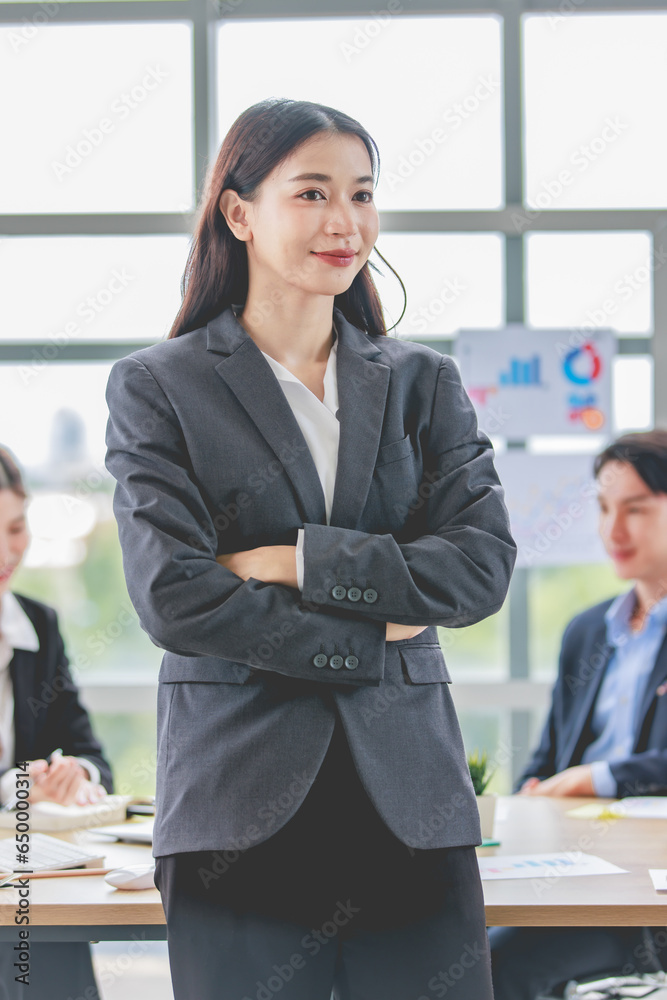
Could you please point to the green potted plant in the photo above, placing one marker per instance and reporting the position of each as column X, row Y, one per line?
column 481, row 774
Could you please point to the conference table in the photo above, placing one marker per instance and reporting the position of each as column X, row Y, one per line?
column 87, row 908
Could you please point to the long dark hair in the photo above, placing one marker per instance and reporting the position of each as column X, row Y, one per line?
column 10, row 476
column 216, row 272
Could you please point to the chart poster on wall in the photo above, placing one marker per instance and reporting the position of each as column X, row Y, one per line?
column 553, row 508
column 525, row 381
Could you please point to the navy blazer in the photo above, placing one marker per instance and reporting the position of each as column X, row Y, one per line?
column 209, row 458
column 47, row 711
column 584, row 656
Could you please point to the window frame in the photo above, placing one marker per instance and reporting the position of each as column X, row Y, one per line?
column 523, row 698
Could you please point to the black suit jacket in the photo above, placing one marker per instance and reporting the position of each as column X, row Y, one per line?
column 584, row 656
column 209, row 458
column 47, row 710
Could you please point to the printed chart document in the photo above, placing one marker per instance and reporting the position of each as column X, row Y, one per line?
column 546, row 865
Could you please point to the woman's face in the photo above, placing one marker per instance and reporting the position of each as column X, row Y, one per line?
column 313, row 224
column 14, row 536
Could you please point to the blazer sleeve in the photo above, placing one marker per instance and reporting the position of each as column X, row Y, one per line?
column 641, row 774
column 187, row 602
column 542, row 764
column 67, row 724
column 560, row 719
column 458, row 571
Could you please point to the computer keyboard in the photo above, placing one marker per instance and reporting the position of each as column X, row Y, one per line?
column 45, row 854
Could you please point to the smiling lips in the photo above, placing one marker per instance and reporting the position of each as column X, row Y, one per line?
column 337, row 258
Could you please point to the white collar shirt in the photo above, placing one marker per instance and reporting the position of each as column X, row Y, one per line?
column 16, row 632
column 318, row 421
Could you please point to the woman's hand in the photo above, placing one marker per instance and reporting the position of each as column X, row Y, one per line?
column 395, row 632
column 268, row 563
column 64, row 781
column 277, row 564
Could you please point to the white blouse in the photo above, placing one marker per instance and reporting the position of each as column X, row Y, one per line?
column 320, row 427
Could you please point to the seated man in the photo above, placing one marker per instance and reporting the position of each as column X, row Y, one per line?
column 606, row 733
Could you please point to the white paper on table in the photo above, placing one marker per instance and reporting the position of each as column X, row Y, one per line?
column 659, row 878
column 545, row 865
column 642, row 807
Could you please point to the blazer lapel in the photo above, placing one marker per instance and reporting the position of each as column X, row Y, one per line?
column 574, row 745
column 250, row 378
column 362, row 394
column 22, row 670
column 655, row 680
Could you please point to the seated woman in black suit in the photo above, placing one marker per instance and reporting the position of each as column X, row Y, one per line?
column 41, row 722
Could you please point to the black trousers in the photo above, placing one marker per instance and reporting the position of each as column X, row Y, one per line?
column 332, row 901
column 62, row 971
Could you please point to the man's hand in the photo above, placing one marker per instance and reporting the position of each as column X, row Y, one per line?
column 268, row 563
column 527, row 785
column 64, row 781
column 573, row 781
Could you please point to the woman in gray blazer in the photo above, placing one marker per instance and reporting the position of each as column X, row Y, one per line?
column 301, row 500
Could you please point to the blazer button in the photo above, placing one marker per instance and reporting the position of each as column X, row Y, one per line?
column 338, row 593
column 351, row 662
column 336, row 662
column 354, row 593
column 320, row 660
column 370, row 596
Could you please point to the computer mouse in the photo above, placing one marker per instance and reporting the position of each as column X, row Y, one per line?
column 132, row 877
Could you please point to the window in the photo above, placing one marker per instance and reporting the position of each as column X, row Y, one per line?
column 593, row 100
column 97, row 133
column 440, row 77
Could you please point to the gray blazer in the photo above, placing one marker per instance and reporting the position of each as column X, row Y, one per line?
column 209, row 458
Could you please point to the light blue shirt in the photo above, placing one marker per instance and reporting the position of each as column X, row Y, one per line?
column 616, row 713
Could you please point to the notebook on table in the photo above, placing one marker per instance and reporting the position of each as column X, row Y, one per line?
column 52, row 816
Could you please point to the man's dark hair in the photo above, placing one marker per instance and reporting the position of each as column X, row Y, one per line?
column 645, row 451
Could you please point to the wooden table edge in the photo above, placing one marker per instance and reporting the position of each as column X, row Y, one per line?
column 70, row 915
column 642, row 915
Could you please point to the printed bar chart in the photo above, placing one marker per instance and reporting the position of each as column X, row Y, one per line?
column 522, row 372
